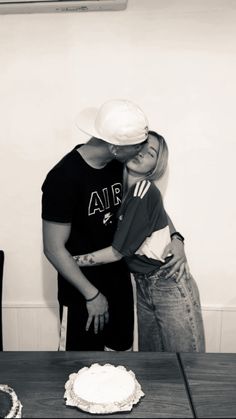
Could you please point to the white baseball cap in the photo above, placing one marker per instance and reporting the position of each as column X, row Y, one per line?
column 119, row 122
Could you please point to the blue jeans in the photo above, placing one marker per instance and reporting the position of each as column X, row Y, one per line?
column 169, row 314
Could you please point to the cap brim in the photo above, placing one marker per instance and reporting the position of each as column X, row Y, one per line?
column 85, row 122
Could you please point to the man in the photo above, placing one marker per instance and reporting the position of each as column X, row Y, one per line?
column 81, row 196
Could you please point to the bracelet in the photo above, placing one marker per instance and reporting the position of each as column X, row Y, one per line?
column 178, row 236
column 93, row 298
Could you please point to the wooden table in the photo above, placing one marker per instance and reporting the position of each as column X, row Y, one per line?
column 211, row 380
column 39, row 378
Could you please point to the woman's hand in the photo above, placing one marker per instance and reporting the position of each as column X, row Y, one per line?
column 178, row 262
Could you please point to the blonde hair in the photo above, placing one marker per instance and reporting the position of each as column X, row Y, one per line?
column 162, row 158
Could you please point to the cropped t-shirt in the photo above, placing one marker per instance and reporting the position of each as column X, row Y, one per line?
column 142, row 231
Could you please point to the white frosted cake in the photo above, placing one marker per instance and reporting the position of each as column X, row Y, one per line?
column 103, row 389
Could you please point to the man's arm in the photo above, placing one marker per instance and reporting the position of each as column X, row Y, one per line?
column 55, row 236
column 100, row 257
column 178, row 262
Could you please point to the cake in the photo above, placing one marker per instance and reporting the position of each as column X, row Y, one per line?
column 103, row 389
column 10, row 405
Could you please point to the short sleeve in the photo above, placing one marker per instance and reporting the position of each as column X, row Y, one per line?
column 58, row 198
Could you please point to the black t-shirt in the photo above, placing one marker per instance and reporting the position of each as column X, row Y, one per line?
column 87, row 198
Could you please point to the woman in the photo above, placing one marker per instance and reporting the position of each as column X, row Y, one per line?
column 168, row 311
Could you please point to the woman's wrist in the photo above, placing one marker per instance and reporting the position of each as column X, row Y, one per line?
column 177, row 235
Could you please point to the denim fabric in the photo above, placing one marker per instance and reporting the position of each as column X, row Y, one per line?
column 169, row 314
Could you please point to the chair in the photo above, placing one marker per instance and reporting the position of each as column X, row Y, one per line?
column 1, row 278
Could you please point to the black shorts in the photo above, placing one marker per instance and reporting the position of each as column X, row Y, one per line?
column 115, row 283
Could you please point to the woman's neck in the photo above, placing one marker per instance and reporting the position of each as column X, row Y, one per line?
column 133, row 178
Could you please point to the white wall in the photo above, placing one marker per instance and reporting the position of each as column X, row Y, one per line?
column 177, row 60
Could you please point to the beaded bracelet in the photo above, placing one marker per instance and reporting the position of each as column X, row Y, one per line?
column 93, row 298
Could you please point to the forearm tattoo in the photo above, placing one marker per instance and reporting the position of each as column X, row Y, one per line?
column 86, row 260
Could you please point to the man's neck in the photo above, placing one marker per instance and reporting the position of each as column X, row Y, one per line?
column 94, row 155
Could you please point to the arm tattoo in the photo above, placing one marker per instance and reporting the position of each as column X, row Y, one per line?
column 87, row 260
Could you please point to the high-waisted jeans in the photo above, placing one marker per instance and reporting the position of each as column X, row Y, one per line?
column 169, row 314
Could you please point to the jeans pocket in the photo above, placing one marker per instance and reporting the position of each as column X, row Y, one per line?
column 165, row 285
column 166, row 292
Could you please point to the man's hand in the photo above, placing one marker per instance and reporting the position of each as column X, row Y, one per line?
column 97, row 312
column 178, row 263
